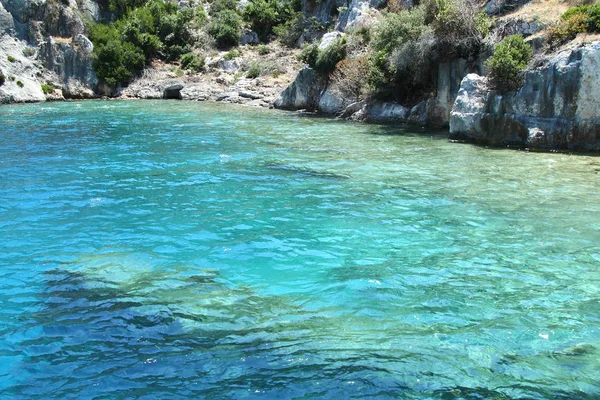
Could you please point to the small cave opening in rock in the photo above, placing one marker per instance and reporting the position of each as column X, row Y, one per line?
column 172, row 92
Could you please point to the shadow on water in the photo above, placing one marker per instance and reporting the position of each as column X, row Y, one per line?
column 307, row 172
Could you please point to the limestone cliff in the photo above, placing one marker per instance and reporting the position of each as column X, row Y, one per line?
column 42, row 42
column 557, row 107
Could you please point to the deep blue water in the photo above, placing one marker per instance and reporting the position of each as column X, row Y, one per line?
column 173, row 250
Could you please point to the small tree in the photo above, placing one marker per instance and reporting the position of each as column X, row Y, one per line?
column 506, row 65
column 225, row 28
column 350, row 77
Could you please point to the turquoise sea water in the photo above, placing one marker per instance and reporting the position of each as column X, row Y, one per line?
column 173, row 250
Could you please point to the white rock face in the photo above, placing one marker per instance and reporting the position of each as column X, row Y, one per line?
column 21, row 73
column 469, row 106
column 7, row 24
column 329, row 39
column 359, row 12
column 588, row 108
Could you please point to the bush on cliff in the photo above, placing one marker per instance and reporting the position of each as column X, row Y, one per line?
column 225, row 28
column 350, row 77
column 506, row 65
column 192, row 62
column 290, row 31
column 264, row 15
column 325, row 60
column 591, row 12
column 585, row 18
column 328, row 58
column 2, row 78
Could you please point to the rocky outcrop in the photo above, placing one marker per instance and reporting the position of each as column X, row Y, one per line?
column 46, row 43
column 71, row 62
column 557, row 107
column 359, row 11
column 303, row 93
column 7, row 24
column 331, row 103
column 22, row 73
column 320, row 9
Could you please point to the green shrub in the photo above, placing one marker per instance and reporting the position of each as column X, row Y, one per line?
column 408, row 46
column 47, row 89
column 506, row 65
column 28, row 52
column 263, row 50
column 309, row 54
column 585, row 18
column 222, row 5
column 232, row 55
column 290, row 31
column 254, row 71
column 192, row 62
column 225, row 28
column 262, row 15
column 324, row 61
column 591, row 13
column 2, row 78
column 330, row 56
column 567, row 29
column 11, row 59
column 116, row 62
column 396, row 29
column 121, row 7
column 20, row 84
column 146, row 30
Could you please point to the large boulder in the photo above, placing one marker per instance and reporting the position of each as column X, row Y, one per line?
column 303, row 93
column 250, row 38
column 331, row 103
column 469, row 107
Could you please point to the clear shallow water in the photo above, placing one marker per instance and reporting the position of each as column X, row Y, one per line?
column 187, row 250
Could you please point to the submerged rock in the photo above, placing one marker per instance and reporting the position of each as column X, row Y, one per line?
column 386, row 112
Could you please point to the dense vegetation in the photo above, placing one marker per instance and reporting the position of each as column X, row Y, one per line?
column 407, row 46
column 155, row 30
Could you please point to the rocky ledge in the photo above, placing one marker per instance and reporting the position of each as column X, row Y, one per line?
column 556, row 108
